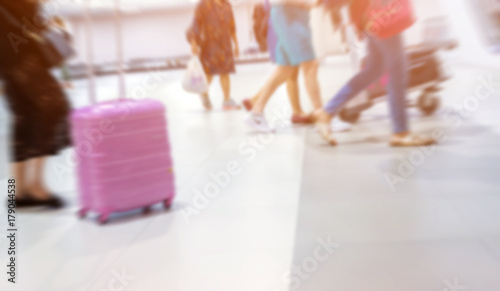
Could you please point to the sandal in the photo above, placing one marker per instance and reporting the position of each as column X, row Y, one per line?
column 230, row 105
column 301, row 119
column 27, row 200
column 411, row 141
column 326, row 132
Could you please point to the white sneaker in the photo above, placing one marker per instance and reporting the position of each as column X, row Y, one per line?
column 258, row 122
column 230, row 105
column 338, row 125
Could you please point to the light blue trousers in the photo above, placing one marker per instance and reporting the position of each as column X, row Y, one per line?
column 384, row 55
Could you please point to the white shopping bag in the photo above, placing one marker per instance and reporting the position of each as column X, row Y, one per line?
column 195, row 80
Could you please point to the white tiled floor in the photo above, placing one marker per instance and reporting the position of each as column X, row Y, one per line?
column 440, row 224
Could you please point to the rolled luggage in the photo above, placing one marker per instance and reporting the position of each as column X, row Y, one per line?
column 123, row 148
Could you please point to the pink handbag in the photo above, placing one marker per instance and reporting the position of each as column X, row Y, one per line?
column 386, row 18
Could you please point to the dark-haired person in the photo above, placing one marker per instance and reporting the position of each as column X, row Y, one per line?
column 384, row 55
column 212, row 36
column 38, row 105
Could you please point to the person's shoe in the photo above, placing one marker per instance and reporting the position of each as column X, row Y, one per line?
column 411, row 140
column 28, row 200
column 25, row 201
column 247, row 103
column 325, row 131
column 301, row 119
column 205, row 100
column 258, row 122
column 230, row 105
column 55, row 202
column 338, row 125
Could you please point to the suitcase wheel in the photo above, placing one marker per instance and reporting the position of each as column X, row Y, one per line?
column 146, row 210
column 82, row 213
column 168, row 203
column 103, row 218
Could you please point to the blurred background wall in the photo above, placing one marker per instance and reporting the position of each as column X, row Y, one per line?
column 156, row 29
column 469, row 30
column 157, row 33
column 160, row 32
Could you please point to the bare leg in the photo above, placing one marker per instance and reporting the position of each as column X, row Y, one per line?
column 209, row 79
column 292, row 87
column 205, row 98
column 310, row 70
column 254, row 99
column 225, row 83
column 37, row 186
column 19, row 172
column 279, row 76
column 249, row 102
column 324, row 116
column 323, row 120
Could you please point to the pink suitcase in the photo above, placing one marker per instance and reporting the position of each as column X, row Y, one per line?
column 124, row 155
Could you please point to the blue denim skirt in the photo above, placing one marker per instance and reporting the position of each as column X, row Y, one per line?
column 293, row 44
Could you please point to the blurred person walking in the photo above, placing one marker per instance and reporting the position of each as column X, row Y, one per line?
column 293, row 91
column 38, row 105
column 293, row 51
column 385, row 54
column 292, row 83
column 212, row 36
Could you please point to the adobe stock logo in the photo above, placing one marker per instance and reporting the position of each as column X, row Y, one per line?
column 407, row 165
column 32, row 27
column 292, row 280
column 119, row 282
column 383, row 18
column 453, row 285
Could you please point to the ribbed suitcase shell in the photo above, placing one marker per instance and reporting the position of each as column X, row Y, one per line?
column 124, row 156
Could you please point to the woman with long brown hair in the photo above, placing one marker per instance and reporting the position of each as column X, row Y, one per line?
column 38, row 105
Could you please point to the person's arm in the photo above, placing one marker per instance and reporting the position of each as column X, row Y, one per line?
column 357, row 10
column 195, row 50
column 307, row 4
column 234, row 37
column 236, row 45
column 195, row 31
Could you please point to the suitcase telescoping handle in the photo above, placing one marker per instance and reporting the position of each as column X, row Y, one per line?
column 119, row 50
column 90, row 54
